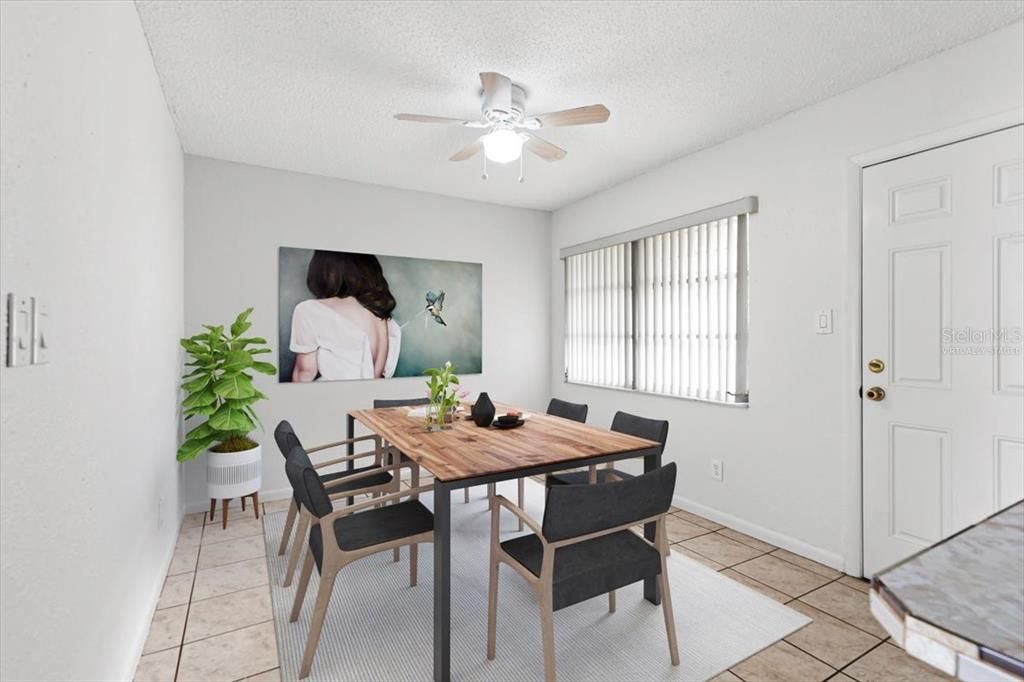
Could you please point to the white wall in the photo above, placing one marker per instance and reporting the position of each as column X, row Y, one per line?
column 91, row 182
column 791, row 461
column 236, row 217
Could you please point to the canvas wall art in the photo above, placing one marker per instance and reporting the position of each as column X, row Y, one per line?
column 345, row 316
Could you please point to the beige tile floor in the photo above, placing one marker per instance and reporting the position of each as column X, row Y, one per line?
column 213, row 621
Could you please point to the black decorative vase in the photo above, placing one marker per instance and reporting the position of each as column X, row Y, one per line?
column 482, row 411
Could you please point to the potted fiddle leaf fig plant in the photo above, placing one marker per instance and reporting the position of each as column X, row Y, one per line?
column 218, row 385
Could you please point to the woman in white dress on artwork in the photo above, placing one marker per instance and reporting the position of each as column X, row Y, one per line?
column 346, row 332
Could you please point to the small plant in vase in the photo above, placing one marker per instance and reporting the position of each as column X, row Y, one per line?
column 444, row 396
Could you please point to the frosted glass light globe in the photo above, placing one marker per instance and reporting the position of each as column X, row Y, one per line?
column 503, row 145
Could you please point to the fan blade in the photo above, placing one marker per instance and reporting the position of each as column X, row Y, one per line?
column 595, row 113
column 545, row 149
column 420, row 118
column 497, row 90
column 467, row 152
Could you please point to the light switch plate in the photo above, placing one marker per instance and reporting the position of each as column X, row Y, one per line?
column 19, row 330
column 40, row 332
column 5, row 326
column 823, row 321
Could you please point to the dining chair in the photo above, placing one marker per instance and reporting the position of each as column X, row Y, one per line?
column 414, row 473
column 577, row 412
column 338, row 537
column 373, row 479
column 623, row 422
column 563, row 408
column 584, row 548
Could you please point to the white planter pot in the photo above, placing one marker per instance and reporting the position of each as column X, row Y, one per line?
column 234, row 474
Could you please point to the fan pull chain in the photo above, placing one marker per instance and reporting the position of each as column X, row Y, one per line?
column 521, row 157
column 484, row 176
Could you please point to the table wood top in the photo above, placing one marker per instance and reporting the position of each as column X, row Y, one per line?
column 467, row 450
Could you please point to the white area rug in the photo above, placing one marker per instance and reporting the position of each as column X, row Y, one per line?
column 380, row 629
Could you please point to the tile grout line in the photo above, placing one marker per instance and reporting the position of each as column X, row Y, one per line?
column 228, row 632
column 240, row 537
column 225, row 594
column 229, row 563
column 188, row 609
column 841, row 620
column 847, row 666
column 805, row 651
column 690, row 549
column 764, row 584
column 242, row 679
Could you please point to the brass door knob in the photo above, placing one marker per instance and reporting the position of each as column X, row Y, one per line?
column 875, row 393
column 876, row 366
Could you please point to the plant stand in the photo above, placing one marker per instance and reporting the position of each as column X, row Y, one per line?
column 227, row 501
column 234, row 474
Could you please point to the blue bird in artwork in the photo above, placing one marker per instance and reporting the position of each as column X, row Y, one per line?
column 435, row 304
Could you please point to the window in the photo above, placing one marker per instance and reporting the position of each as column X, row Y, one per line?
column 663, row 309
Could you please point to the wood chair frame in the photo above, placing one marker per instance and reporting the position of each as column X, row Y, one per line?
column 543, row 585
column 335, row 558
column 395, row 455
column 295, row 513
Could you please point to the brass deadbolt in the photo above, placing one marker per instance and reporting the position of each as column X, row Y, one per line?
column 876, row 366
column 875, row 393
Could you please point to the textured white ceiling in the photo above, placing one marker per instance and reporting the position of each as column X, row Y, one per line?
column 312, row 86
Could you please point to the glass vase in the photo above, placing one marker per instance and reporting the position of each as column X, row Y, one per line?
column 438, row 419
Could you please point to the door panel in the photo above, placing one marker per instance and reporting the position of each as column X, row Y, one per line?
column 918, row 463
column 1009, row 470
column 918, row 312
column 943, row 307
column 1009, row 297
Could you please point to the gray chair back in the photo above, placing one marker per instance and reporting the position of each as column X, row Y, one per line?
column 641, row 427
column 284, row 436
column 400, row 402
column 307, row 487
column 563, row 408
column 575, row 510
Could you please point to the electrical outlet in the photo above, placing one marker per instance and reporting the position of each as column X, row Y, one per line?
column 823, row 321
column 716, row 469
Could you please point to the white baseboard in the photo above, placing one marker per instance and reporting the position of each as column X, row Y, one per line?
column 154, row 601
column 265, row 496
column 822, row 556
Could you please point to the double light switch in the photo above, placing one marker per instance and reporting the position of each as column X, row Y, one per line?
column 27, row 331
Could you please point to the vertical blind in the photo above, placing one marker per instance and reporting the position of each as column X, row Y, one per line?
column 665, row 313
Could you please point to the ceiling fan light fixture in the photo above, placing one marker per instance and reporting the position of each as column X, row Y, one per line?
column 503, row 145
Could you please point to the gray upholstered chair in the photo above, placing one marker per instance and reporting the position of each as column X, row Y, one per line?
column 584, row 548
column 623, row 422
column 566, row 410
column 372, row 479
column 340, row 537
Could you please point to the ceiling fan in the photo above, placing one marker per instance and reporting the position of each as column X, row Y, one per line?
column 510, row 130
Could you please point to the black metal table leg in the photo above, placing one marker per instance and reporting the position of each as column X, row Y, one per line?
column 351, row 465
column 442, row 581
column 651, row 594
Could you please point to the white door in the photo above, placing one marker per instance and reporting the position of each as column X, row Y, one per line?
column 943, row 310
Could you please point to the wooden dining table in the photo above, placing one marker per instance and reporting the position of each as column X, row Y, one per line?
column 466, row 455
